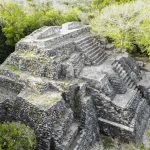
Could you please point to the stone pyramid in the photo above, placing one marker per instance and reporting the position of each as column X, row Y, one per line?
column 71, row 87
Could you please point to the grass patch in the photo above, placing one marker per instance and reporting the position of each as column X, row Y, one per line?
column 45, row 100
column 12, row 68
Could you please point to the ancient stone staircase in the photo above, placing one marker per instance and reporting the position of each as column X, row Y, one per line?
column 109, row 91
column 92, row 50
column 117, row 84
column 124, row 75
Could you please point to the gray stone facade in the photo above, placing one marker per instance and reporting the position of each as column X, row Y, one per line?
column 71, row 87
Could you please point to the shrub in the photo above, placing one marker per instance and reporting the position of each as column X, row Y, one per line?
column 125, row 25
column 143, row 37
column 100, row 4
column 14, row 22
column 16, row 136
column 72, row 15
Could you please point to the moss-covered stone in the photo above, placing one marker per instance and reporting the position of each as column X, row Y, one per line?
column 11, row 68
column 44, row 101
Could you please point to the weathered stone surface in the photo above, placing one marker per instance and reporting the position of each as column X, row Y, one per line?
column 70, row 87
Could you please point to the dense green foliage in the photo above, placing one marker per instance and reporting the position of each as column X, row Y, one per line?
column 16, row 136
column 99, row 4
column 126, row 25
column 16, row 22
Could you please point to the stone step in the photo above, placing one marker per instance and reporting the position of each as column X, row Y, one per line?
column 131, row 84
column 114, row 63
column 126, row 79
column 122, row 73
column 84, row 46
column 117, row 66
column 94, row 53
column 84, row 40
column 90, row 48
column 60, row 38
column 142, row 109
column 100, row 59
column 120, row 69
column 129, row 81
column 134, row 87
column 70, row 136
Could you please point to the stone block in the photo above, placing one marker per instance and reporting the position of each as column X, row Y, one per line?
column 71, row 25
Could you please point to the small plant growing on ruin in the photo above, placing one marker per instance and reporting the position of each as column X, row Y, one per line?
column 16, row 136
column 108, row 142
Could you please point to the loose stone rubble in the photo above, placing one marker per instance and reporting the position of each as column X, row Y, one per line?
column 71, row 86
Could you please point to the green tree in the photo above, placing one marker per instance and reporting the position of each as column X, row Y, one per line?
column 16, row 136
column 14, row 22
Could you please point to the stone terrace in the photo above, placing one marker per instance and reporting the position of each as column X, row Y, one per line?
column 71, row 86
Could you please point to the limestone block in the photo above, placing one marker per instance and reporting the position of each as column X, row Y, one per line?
column 71, row 25
column 50, row 31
